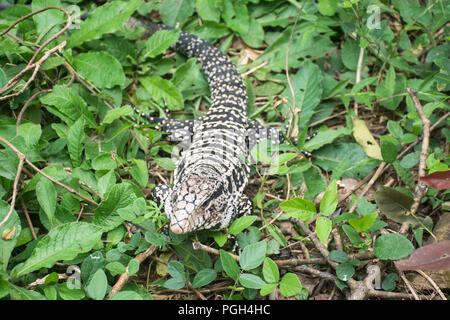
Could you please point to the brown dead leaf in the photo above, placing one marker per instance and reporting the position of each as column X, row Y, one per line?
column 433, row 257
column 439, row 180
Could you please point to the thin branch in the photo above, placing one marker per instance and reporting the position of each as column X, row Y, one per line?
column 20, row 154
column 14, row 195
column 123, row 279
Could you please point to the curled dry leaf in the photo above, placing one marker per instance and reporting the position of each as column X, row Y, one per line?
column 439, row 180
column 433, row 257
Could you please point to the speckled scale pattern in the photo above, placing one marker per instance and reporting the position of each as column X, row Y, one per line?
column 211, row 174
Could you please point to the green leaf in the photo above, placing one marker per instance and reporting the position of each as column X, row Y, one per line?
column 323, row 228
column 106, row 215
column 160, row 88
column 345, row 271
column 350, row 54
column 104, row 19
column 394, row 204
column 160, row 41
column 290, row 285
column 390, row 282
column 338, row 256
column 253, row 255
column 64, row 242
column 101, row 68
column 392, row 246
column 268, row 288
column 389, row 149
column 207, row 10
column 352, row 234
column 116, row 113
column 67, row 105
column 139, row 172
column 229, row 265
column 75, row 137
column 327, row 7
column 96, row 289
column 176, row 11
column 308, row 86
column 204, row 277
column 241, row 223
column 364, row 223
column 299, row 208
column 18, row 293
column 395, row 129
column 155, row 238
column 70, row 294
column 115, row 268
column 46, row 196
column 270, row 271
column 325, row 137
column 330, row 199
column 251, row 281
column 165, row 163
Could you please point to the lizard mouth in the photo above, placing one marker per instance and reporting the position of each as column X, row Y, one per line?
column 180, row 227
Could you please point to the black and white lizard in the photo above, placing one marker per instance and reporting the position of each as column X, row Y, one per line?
column 211, row 174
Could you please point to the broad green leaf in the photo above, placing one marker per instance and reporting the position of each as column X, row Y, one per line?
column 394, row 204
column 350, row 54
column 392, row 246
column 270, row 271
column 229, row 265
column 390, row 282
column 160, row 88
column 104, row 19
column 330, row 199
column 160, row 42
column 104, row 161
column 345, row 271
column 255, row 35
column 251, row 281
column 120, row 196
column 299, row 208
column 18, row 293
column 203, row 277
column 114, row 114
column 290, row 285
column 31, row 133
column 364, row 223
column 325, row 137
column 253, row 255
column 96, row 289
column 139, row 172
column 101, row 68
column 48, row 22
column 176, row 11
column 308, row 86
column 156, row 238
column 323, row 228
column 395, row 129
column 207, row 10
column 241, row 223
column 338, row 256
column 75, row 137
column 268, row 288
column 352, row 234
column 389, row 149
column 327, row 7
column 220, row 238
column 70, row 293
column 67, row 104
column 365, row 139
column 46, row 196
column 165, row 163
column 64, row 242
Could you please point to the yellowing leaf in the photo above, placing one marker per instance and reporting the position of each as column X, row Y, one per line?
column 365, row 139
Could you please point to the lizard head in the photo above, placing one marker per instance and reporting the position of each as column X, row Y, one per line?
column 198, row 203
